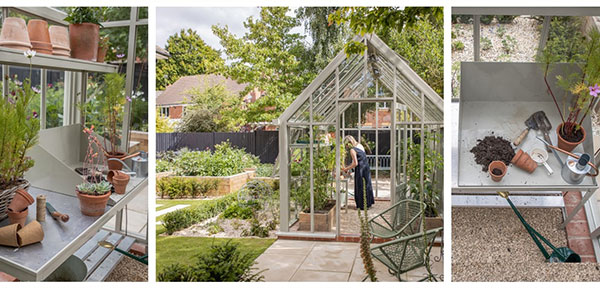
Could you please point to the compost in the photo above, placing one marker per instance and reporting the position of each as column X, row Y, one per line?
column 492, row 148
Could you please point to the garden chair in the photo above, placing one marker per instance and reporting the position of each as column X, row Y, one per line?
column 407, row 253
column 399, row 220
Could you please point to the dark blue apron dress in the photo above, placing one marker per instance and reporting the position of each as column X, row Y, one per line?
column 362, row 172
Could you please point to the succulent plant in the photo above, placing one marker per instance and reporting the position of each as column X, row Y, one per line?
column 86, row 188
column 103, row 187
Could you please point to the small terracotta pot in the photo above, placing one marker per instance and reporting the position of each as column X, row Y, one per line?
column 8, row 235
column 497, row 165
column 91, row 205
column 83, row 39
column 20, row 201
column 101, row 53
column 32, row 233
column 14, row 34
column 115, row 165
column 18, row 217
column 59, row 37
column 119, row 181
column 524, row 161
column 39, row 36
column 566, row 145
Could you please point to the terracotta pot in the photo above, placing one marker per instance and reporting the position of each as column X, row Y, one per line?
column 59, row 37
column 8, row 194
column 83, row 39
column 497, row 165
column 91, row 205
column 32, row 233
column 566, row 145
column 101, row 53
column 119, row 181
column 115, row 165
column 39, row 36
column 8, row 235
column 14, row 34
column 524, row 161
column 20, row 201
column 18, row 217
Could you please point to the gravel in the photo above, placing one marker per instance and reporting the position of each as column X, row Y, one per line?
column 129, row 270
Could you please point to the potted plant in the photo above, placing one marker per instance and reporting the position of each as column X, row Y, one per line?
column 103, row 46
column 84, row 29
column 324, row 205
column 433, row 163
column 582, row 85
column 106, row 111
column 94, row 192
column 19, row 126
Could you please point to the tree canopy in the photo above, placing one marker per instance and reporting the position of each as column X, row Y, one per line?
column 213, row 109
column 189, row 56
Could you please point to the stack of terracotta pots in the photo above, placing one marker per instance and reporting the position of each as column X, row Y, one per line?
column 59, row 36
column 14, row 34
column 524, row 161
column 39, row 36
column 19, row 207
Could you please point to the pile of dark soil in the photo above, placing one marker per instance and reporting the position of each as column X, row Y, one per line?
column 492, row 148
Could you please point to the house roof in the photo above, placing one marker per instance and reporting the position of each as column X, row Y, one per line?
column 161, row 53
column 178, row 92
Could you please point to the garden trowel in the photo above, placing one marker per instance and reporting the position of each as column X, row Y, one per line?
column 530, row 123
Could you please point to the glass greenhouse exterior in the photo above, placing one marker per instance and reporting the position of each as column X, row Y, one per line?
column 375, row 97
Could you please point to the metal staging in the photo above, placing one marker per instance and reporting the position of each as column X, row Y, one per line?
column 378, row 80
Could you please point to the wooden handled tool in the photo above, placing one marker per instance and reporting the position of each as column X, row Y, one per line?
column 55, row 214
column 530, row 124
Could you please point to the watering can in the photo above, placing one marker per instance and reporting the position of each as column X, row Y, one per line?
column 560, row 254
column 126, row 168
column 140, row 164
column 576, row 167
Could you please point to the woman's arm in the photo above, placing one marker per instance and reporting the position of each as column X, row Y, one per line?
column 354, row 161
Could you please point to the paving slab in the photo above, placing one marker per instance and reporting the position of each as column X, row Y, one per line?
column 279, row 267
column 320, row 276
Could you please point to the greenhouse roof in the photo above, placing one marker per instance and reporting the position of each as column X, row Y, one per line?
column 351, row 76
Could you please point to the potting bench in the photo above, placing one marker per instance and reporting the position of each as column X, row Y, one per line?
column 496, row 99
column 61, row 240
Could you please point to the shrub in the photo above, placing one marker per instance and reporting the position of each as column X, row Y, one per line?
column 264, row 170
column 508, row 44
column 225, row 161
column 180, row 187
column 486, row 19
column 214, row 228
column 505, row 19
column 183, row 218
column 162, row 165
column 465, row 19
column 458, row 46
column 256, row 229
column 238, row 211
column 222, row 263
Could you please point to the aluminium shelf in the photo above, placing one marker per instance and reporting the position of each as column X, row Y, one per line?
column 15, row 57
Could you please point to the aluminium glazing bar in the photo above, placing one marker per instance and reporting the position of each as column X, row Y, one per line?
column 129, row 79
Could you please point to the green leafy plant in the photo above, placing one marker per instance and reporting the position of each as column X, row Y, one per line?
column 486, row 43
column 508, row 44
column 501, row 31
column 238, row 211
column 256, row 229
column 222, row 263
column 93, row 181
column 486, row 19
column 78, row 15
column 19, row 128
column 433, row 163
column 458, row 46
column 214, row 227
column 183, row 218
column 181, row 187
column 264, row 170
column 505, row 19
column 224, row 161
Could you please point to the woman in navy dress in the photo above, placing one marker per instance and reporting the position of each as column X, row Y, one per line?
column 361, row 173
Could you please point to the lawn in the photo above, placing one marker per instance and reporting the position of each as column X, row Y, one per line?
column 183, row 250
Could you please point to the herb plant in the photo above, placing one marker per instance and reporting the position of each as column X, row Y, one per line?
column 80, row 15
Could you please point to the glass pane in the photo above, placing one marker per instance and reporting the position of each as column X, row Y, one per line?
column 55, row 93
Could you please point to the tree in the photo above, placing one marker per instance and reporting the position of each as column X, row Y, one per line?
column 213, row 109
column 267, row 57
column 190, row 55
column 327, row 39
column 162, row 124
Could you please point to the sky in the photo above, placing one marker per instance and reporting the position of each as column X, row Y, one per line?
column 170, row 20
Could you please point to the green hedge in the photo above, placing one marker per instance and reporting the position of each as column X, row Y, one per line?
column 180, row 187
column 181, row 219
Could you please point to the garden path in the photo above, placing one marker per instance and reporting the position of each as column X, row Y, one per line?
column 293, row 260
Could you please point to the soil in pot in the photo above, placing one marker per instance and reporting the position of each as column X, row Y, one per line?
column 492, row 148
column 92, row 205
column 497, row 172
column 569, row 142
column 83, row 39
column 18, row 217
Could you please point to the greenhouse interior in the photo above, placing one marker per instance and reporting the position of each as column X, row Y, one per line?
column 80, row 89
